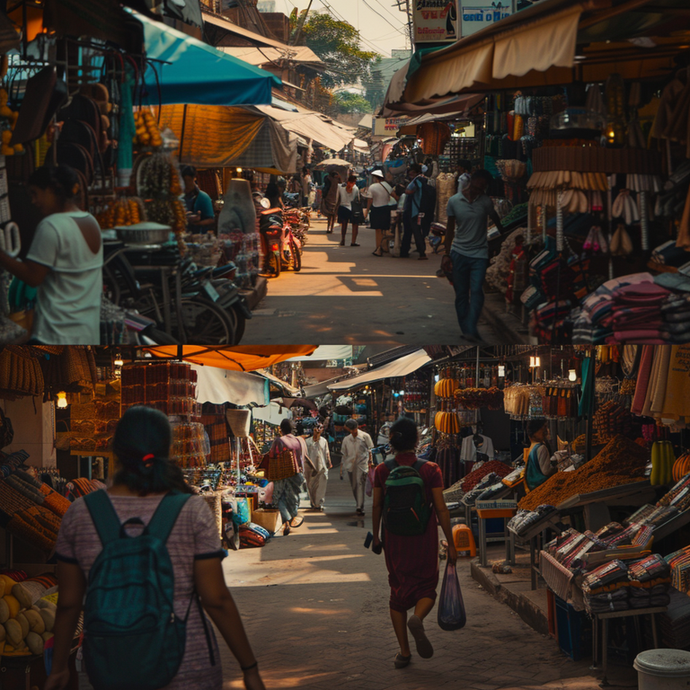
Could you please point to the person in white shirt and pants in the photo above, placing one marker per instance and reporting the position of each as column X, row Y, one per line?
column 316, row 466
column 356, row 452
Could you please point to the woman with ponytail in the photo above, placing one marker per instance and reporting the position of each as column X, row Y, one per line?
column 64, row 262
column 144, row 475
column 412, row 561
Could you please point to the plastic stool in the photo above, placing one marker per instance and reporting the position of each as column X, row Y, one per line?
column 464, row 540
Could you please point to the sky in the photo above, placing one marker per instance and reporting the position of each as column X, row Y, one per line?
column 380, row 33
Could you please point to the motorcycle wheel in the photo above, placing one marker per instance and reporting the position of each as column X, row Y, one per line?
column 295, row 258
column 111, row 288
column 205, row 323
column 239, row 322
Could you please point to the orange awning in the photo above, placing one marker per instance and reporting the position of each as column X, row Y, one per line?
column 240, row 358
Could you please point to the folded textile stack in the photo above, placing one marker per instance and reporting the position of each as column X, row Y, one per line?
column 674, row 624
column 606, row 588
column 526, row 518
column 675, row 312
column 669, row 254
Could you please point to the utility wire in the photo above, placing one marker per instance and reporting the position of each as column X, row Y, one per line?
column 385, row 19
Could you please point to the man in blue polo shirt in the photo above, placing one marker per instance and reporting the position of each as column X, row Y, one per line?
column 467, row 249
column 200, row 215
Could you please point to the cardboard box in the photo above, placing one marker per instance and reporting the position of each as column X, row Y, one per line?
column 268, row 519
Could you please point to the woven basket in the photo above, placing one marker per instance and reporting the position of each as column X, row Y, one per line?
column 280, row 466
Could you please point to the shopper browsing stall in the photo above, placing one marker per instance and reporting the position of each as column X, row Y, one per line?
column 286, row 491
column 467, row 249
column 64, row 262
column 316, row 467
column 141, row 494
column 541, row 464
column 200, row 215
column 411, row 554
column 356, row 452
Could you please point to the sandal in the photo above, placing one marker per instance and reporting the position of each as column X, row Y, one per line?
column 299, row 524
column 342, row 244
column 401, row 661
column 286, row 529
column 375, row 254
column 354, row 244
column 416, row 627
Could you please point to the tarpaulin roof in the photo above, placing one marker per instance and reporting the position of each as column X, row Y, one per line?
column 219, row 386
column 551, row 43
column 312, row 125
column 194, row 72
column 214, row 136
column 326, row 352
column 262, row 55
column 396, row 369
column 237, row 358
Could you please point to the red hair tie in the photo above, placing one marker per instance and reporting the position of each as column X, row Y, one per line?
column 148, row 459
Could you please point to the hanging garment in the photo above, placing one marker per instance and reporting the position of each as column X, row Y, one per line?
column 468, row 452
column 434, row 136
column 676, row 402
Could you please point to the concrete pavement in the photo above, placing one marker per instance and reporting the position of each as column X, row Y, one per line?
column 315, row 605
column 346, row 295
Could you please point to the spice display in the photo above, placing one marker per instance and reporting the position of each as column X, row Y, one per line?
column 621, row 461
column 476, row 398
column 496, row 467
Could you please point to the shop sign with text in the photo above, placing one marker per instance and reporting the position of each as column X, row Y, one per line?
column 478, row 14
column 388, row 126
column 435, row 21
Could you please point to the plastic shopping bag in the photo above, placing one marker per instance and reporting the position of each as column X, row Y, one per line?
column 451, row 608
column 369, row 487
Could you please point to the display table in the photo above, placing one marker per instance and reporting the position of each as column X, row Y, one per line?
column 604, row 618
column 505, row 514
column 534, row 538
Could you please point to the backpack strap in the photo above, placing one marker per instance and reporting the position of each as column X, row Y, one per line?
column 166, row 515
column 103, row 514
column 419, row 464
column 391, row 464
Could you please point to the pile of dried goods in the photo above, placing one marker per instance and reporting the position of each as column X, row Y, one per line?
column 474, row 477
column 622, row 461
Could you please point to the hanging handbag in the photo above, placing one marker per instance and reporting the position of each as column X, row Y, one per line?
column 280, row 465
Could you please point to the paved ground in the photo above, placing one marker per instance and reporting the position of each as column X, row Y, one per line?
column 346, row 295
column 315, row 605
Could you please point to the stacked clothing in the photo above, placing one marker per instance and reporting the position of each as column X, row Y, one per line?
column 675, row 312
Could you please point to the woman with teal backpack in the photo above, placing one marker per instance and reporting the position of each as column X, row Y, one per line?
column 540, row 462
column 408, row 497
column 142, row 560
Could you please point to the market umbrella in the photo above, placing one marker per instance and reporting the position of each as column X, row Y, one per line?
column 241, row 358
column 189, row 71
column 335, row 164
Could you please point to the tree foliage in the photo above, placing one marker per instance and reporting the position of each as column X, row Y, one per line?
column 347, row 102
column 338, row 45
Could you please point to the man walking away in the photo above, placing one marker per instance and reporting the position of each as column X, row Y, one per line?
column 356, row 452
column 413, row 214
column 467, row 249
column 286, row 491
column 316, row 466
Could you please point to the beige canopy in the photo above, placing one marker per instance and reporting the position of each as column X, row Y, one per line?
column 555, row 42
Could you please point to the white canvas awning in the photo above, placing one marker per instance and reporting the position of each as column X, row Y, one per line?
column 326, row 352
column 219, row 386
column 272, row 414
column 400, row 367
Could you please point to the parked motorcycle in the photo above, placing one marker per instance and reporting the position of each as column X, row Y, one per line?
column 280, row 248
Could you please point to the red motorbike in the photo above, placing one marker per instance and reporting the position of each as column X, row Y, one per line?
column 280, row 248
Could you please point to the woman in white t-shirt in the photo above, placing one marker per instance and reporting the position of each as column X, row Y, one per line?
column 381, row 201
column 347, row 193
column 64, row 262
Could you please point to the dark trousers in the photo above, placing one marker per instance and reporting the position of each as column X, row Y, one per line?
column 468, row 281
column 412, row 228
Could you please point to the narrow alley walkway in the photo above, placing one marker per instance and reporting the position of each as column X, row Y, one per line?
column 346, row 295
column 315, row 604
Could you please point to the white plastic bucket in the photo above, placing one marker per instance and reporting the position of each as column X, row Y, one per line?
column 663, row 669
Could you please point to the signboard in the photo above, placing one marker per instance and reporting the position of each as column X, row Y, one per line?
column 478, row 14
column 435, row 21
column 388, row 126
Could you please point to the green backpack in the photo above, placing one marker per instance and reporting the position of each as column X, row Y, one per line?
column 406, row 511
column 132, row 638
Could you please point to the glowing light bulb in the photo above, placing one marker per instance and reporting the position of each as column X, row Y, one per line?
column 501, row 371
column 62, row 400
column 572, row 375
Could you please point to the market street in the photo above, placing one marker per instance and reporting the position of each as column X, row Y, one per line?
column 346, row 295
column 315, row 605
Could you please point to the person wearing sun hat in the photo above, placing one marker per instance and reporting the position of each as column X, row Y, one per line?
column 379, row 208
